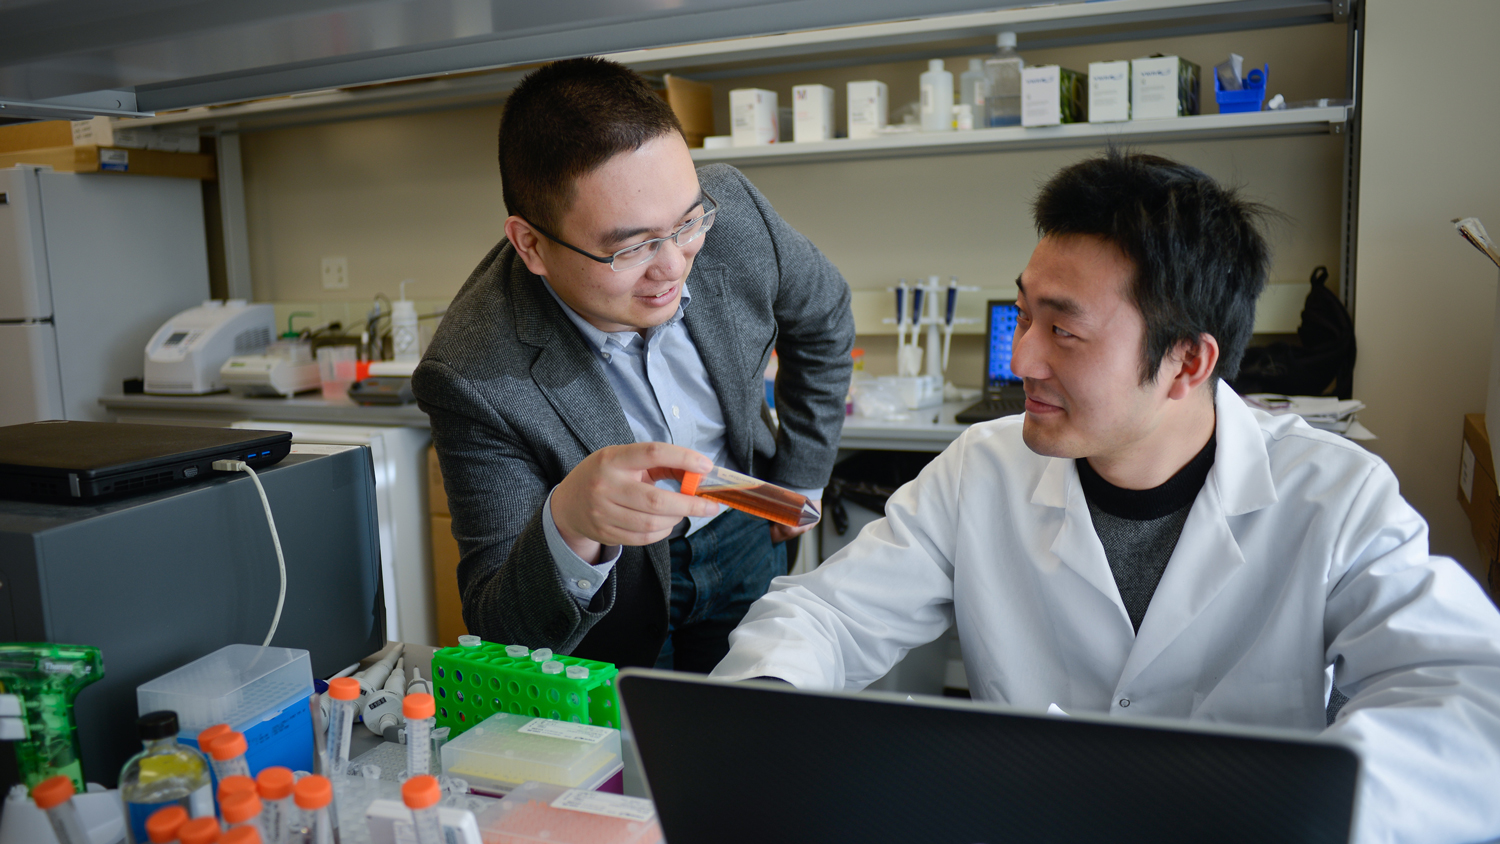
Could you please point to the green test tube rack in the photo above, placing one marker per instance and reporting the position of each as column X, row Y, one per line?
column 473, row 683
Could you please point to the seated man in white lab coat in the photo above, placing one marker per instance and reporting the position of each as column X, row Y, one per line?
column 1142, row 543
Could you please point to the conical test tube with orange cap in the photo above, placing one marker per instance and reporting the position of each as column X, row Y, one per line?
column 54, row 796
column 345, row 694
column 419, row 710
column 227, row 750
column 752, row 496
column 162, row 826
column 313, row 794
column 421, row 795
column 274, row 784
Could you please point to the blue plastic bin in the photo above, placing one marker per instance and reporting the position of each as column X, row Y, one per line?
column 1250, row 98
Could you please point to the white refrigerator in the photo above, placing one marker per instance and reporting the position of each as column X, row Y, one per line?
column 91, row 264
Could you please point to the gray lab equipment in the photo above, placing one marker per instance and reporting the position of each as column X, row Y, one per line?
column 158, row 580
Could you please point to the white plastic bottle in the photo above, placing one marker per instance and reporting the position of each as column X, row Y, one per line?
column 973, row 86
column 1002, row 103
column 406, row 343
column 937, row 98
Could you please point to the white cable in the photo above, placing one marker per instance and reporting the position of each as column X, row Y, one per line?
column 242, row 466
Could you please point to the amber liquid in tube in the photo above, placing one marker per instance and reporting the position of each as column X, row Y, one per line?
column 752, row 496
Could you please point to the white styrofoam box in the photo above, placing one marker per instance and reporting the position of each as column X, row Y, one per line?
column 812, row 113
column 867, row 104
column 1155, row 87
column 753, row 117
column 1041, row 95
column 1109, row 91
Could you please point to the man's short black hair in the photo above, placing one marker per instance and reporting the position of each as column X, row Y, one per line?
column 564, row 120
column 1199, row 256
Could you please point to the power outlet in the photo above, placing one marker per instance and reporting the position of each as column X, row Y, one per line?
column 336, row 273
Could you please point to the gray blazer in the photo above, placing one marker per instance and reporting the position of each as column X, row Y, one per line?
column 517, row 399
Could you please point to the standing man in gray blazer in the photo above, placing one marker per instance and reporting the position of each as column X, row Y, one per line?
column 614, row 339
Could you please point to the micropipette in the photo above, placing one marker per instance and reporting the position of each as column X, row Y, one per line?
column 901, row 328
column 948, row 318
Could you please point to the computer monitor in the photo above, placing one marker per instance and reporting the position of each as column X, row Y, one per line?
column 1001, row 318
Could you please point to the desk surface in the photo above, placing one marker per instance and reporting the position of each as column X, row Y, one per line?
column 930, row 429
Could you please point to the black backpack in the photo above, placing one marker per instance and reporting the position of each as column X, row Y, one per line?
column 1321, row 364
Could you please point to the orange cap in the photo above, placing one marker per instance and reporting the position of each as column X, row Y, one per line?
column 227, row 746
column 312, row 792
column 53, row 791
column 421, row 791
column 207, row 737
column 275, row 783
column 199, row 831
column 690, row 482
column 239, row 807
column 418, row 705
column 163, row 824
column 234, row 785
column 241, row 835
column 343, row 688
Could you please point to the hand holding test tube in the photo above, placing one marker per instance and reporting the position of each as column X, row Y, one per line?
column 752, row 496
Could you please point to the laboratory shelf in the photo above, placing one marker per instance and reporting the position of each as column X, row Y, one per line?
column 1305, row 121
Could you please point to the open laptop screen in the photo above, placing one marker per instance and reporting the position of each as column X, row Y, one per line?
column 1002, row 323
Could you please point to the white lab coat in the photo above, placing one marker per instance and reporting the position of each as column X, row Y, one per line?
column 1298, row 554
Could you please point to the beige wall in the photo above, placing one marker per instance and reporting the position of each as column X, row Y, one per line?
column 1426, row 299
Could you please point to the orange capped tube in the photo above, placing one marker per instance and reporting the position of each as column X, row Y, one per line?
column 275, row 787
column 227, row 750
column 756, row 497
column 242, row 808
column 233, row 785
column 421, row 795
column 199, row 831
column 206, row 737
column 242, row 835
column 313, row 794
column 55, row 797
column 419, row 710
column 163, row 824
column 344, row 692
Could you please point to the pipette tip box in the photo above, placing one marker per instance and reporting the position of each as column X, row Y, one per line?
column 261, row 692
column 506, row 750
column 537, row 812
column 473, row 683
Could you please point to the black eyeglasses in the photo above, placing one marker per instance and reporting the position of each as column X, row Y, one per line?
column 640, row 253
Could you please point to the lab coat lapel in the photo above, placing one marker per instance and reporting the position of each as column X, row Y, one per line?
column 565, row 370
column 1077, row 544
column 1207, row 555
column 714, row 329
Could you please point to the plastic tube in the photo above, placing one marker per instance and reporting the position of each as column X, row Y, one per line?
column 345, row 694
column 228, row 753
column 242, row 808
column 163, row 824
column 55, row 797
column 419, row 710
column 199, row 831
column 274, row 785
column 313, row 794
column 206, row 737
column 750, row 495
column 421, row 795
column 242, row 835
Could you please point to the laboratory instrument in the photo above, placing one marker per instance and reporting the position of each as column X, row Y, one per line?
column 185, row 355
column 508, row 682
column 46, row 679
column 227, row 752
column 914, row 352
column 418, row 684
column 901, row 327
column 274, row 785
column 751, row 495
column 287, row 367
column 948, row 318
column 505, row 750
column 90, row 264
column 344, row 692
column 381, row 710
column 338, row 368
column 164, row 773
column 937, row 98
column 313, row 794
column 162, row 826
column 1002, row 102
column 54, row 796
column 559, row 815
column 420, row 711
column 421, row 794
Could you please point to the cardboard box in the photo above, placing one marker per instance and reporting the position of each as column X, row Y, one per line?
column 1051, row 95
column 1163, row 86
column 1109, row 92
column 812, row 113
column 693, row 103
column 754, row 117
column 1478, row 495
column 867, row 103
column 142, row 162
column 96, row 132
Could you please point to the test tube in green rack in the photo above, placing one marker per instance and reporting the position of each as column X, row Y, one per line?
column 474, row 681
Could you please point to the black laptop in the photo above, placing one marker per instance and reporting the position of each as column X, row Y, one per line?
column 1003, row 394
column 757, row 762
column 86, row 461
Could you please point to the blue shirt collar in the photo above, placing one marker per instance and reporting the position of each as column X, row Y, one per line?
column 621, row 339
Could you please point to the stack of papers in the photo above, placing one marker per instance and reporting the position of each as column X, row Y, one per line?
column 1329, row 414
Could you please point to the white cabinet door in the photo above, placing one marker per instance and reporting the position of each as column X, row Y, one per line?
column 24, row 294
column 30, row 388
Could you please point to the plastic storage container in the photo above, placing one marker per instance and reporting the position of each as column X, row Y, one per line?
column 473, row 683
column 506, row 750
column 538, row 812
column 1249, row 98
column 260, row 692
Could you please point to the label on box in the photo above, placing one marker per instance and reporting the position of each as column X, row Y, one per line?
column 604, row 803
column 1109, row 91
column 117, row 160
column 867, row 108
column 1041, row 96
column 585, row 733
column 1466, row 473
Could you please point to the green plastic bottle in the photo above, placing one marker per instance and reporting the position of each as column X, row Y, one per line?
column 165, row 773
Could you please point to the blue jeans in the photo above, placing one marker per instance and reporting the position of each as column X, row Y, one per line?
column 717, row 573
